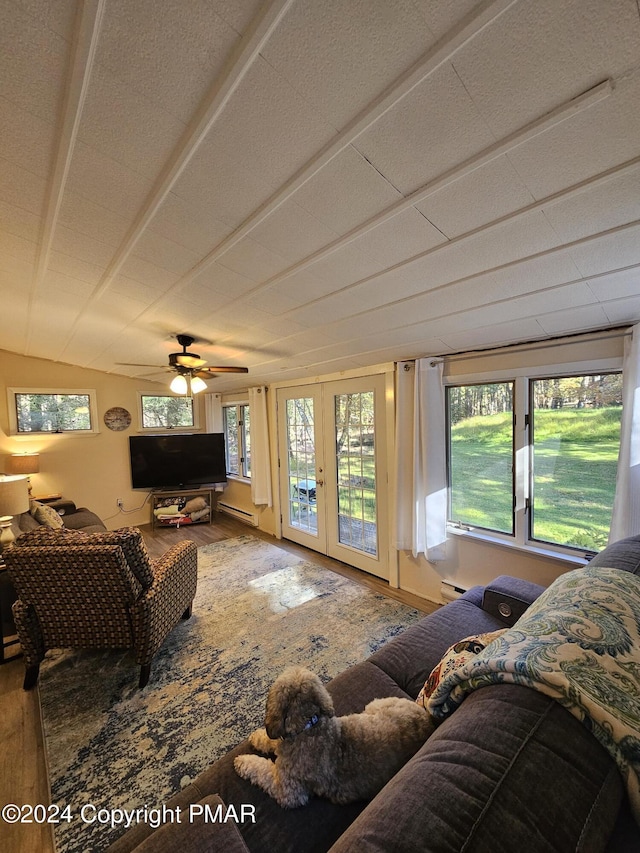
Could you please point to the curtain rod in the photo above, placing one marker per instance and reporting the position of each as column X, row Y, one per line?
column 548, row 343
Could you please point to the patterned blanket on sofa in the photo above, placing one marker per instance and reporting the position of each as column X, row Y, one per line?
column 579, row 643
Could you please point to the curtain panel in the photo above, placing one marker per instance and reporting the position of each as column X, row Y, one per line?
column 421, row 524
column 261, row 494
column 625, row 520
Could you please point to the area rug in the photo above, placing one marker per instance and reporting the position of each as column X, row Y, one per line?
column 258, row 609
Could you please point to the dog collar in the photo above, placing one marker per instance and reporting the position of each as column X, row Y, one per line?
column 312, row 722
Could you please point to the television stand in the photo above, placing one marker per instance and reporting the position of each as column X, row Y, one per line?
column 181, row 507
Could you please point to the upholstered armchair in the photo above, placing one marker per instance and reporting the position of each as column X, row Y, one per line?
column 97, row 590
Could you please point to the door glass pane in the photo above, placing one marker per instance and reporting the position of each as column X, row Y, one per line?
column 576, row 439
column 480, row 421
column 355, row 457
column 301, row 464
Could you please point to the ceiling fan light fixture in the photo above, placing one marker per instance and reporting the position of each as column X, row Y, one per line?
column 179, row 384
column 197, row 384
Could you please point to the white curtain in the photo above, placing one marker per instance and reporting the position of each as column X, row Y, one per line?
column 260, row 457
column 626, row 506
column 213, row 421
column 421, row 459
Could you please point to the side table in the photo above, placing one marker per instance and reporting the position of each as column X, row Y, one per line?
column 7, row 597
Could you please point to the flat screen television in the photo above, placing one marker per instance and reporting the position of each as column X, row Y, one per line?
column 178, row 460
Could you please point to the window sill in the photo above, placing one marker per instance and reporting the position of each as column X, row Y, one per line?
column 238, row 479
column 576, row 560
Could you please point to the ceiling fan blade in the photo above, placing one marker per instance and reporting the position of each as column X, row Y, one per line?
column 137, row 364
column 225, row 369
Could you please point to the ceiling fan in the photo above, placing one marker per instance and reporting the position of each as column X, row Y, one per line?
column 191, row 369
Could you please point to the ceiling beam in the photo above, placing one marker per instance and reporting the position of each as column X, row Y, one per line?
column 86, row 32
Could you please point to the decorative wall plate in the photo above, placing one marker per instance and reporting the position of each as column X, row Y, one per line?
column 117, row 418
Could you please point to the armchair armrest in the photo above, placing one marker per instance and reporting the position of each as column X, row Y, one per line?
column 506, row 598
column 175, row 577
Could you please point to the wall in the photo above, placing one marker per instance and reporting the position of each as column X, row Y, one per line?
column 91, row 470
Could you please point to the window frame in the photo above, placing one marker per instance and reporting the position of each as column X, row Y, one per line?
column 160, row 429
column 240, row 406
column 521, row 377
column 13, row 392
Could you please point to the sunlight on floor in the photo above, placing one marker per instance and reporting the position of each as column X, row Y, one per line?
column 285, row 589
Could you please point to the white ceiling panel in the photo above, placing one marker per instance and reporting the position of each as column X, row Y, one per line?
column 274, row 221
column 319, row 45
column 406, row 235
column 574, row 319
column 611, row 252
column 609, row 134
column 292, row 232
column 18, row 221
column 607, row 206
column 346, row 192
column 431, row 130
column 174, row 73
column 33, row 61
column 539, row 54
column 616, row 285
column 483, row 196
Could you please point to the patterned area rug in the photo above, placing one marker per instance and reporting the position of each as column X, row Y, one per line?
column 258, row 609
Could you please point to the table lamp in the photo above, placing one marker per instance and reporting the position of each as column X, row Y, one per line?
column 25, row 463
column 14, row 500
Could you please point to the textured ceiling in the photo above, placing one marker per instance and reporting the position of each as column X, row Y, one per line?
column 308, row 186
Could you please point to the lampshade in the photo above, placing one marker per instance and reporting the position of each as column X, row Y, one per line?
column 25, row 463
column 14, row 495
column 179, row 384
column 197, row 384
column 187, row 384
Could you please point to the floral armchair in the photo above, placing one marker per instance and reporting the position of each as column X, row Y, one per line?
column 97, row 590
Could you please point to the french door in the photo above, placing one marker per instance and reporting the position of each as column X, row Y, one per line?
column 333, row 472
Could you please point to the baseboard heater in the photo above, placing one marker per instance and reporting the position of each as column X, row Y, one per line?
column 450, row 591
column 236, row 512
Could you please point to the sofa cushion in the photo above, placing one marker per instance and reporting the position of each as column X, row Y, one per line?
column 623, row 554
column 45, row 515
column 409, row 658
column 509, row 770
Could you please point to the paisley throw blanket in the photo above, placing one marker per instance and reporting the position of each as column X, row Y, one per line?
column 579, row 643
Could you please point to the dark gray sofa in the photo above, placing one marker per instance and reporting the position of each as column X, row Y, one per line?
column 511, row 770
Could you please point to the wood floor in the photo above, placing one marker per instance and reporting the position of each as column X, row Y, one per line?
column 23, row 774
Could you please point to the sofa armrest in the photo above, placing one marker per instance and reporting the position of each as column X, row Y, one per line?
column 200, row 828
column 506, row 598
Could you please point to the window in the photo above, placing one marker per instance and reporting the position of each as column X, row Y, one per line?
column 575, row 437
column 45, row 411
column 535, row 458
column 480, row 443
column 166, row 412
column 237, row 434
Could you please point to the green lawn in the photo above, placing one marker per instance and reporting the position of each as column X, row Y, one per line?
column 575, row 459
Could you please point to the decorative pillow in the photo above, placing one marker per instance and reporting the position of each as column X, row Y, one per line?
column 194, row 505
column 46, row 515
column 455, row 657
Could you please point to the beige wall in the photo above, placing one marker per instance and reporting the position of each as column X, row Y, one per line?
column 91, row 470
